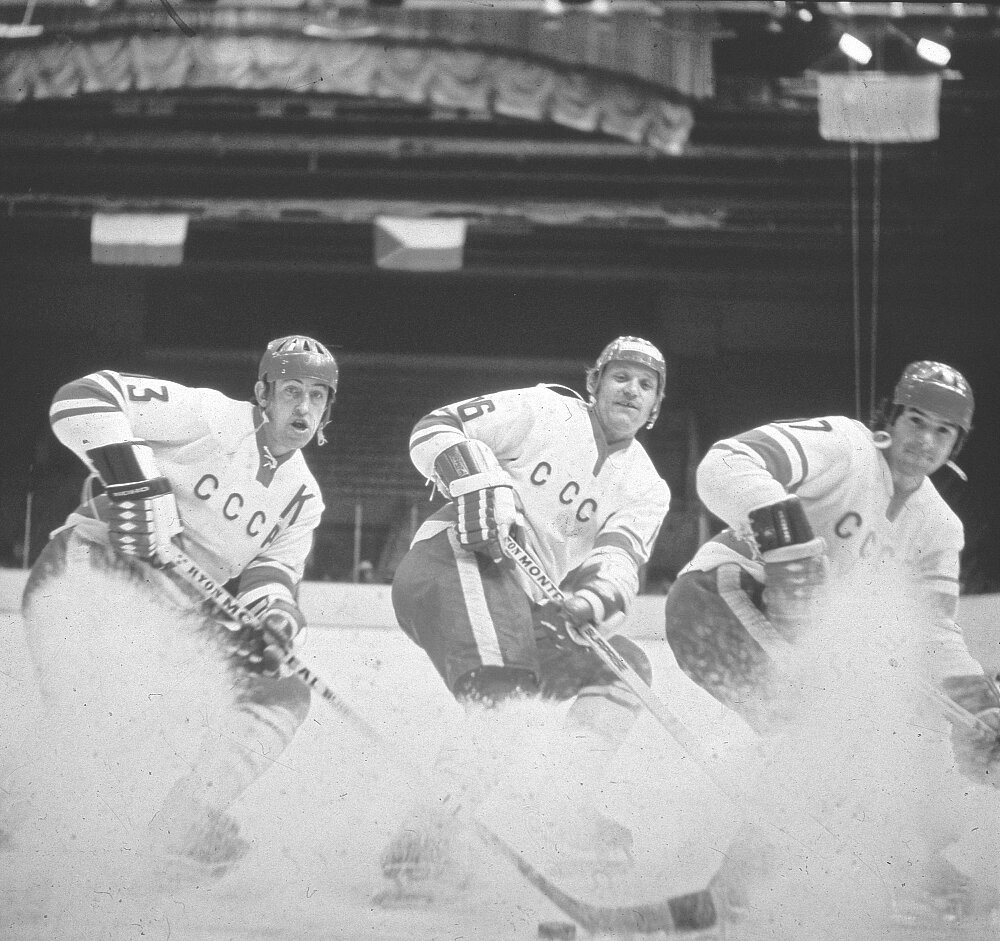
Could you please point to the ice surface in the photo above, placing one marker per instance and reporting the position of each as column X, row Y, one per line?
column 79, row 795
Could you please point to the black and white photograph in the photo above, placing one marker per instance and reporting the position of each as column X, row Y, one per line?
column 500, row 470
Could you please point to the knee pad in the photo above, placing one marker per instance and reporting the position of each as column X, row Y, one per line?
column 489, row 686
column 635, row 656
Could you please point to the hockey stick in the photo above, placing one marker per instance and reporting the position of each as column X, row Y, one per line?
column 659, row 710
column 696, row 911
column 182, row 566
column 683, row 913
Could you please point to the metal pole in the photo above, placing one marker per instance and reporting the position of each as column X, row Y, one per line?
column 27, row 530
column 357, row 541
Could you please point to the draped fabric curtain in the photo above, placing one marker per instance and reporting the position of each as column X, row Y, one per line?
column 632, row 75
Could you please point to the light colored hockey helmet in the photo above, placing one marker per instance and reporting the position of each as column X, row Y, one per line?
column 632, row 350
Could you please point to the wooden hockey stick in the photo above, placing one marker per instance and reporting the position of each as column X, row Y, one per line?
column 183, row 567
column 685, row 913
column 802, row 828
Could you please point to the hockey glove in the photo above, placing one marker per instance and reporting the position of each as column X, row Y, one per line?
column 794, row 563
column 142, row 513
column 977, row 753
column 263, row 649
column 470, row 474
column 566, row 619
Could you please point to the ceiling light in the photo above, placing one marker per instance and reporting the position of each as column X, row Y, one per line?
column 933, row 52
column 855, row 49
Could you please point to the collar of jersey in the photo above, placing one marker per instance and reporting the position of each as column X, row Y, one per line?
column 268, row 463
column 604, row 450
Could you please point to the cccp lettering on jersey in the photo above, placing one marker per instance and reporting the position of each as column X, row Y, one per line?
column 233, row 504
column 849, row 525
column 567, row 496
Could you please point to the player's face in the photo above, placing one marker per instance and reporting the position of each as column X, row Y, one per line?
column 624, row 399
column 921, row 442
column 295, row 411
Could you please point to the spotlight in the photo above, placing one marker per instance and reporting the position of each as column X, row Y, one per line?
column 933, row 52
column 854, row 48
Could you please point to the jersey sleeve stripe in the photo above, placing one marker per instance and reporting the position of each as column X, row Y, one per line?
column 432, row 425
column 796, row 454
column 782, row 455
column 60, row 412
column 623, row 542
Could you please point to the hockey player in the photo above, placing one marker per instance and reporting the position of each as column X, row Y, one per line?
column 568, row 479
column 808, row 500
column 227, row 482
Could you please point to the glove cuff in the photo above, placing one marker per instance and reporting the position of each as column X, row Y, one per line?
column 467, row 466
column 497, row 478
column 139, row 490
column 803, row 550
column 781, row 524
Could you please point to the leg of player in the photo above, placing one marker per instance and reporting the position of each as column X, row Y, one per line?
column 474, row 622
column 601, row 716
column 193, row 834
column 430, row 856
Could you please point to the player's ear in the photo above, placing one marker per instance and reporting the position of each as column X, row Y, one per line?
column 260, row 391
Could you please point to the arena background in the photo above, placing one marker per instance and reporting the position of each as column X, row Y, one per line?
column 460, row 199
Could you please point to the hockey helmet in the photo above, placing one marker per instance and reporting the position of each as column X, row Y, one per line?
column 301, row 357
column 298, row 357
column 632, row 350
column 938, row 388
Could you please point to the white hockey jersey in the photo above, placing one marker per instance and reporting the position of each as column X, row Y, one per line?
column 580, row 498
column 245, row 512
column 846, row 489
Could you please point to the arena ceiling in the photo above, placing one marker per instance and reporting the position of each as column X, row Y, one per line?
column 596, row 136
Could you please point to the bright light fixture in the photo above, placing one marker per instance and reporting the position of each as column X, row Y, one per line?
column 933, row 52
column 855, row 49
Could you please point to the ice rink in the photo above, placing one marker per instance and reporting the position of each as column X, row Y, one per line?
column 74, row 868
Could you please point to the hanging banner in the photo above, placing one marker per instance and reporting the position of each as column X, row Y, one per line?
column 419, row 244
column 138, row 238
column 878, row 107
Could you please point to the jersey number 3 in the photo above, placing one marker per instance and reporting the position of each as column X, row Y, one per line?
column 145, row 393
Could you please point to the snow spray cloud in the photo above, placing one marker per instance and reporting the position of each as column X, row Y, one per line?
column 130, row 684
column 868, row 752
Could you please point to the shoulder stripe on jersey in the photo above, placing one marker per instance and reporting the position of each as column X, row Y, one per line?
column 58, row 414
column 111, row 379
column 87, row 389
column 433, row 424
column 783, row 456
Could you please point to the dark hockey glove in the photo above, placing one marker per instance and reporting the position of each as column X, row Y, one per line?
column 794, row 563
column 977, row 752
column 263, row 649
column 142, row 513
column 470, row 474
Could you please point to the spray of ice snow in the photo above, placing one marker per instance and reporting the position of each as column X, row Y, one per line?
column 865, row 750
column 130, row 687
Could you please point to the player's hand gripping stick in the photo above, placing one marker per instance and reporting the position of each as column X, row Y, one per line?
column 178, row 564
